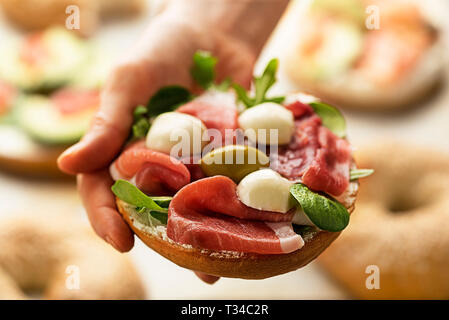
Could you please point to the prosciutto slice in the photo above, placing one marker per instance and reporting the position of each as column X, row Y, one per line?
column 213, row 116
column 207, row 214
column 155, row 173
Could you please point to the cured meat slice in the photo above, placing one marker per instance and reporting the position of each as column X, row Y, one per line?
column 200, row 215
column 292, row 161
column 329, row 170
column 315, row 156
column 213, row 116
column 217, row 233
column 155, row 173
column 299, row 109
column 219, row 194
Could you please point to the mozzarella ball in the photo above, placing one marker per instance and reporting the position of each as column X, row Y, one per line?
column 266, row 190
column 177, row 134
column 268, row 116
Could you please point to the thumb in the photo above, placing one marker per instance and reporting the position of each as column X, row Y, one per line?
column 129, row 86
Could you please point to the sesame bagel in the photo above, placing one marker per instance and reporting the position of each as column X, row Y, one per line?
column 58, row 257
column 400, row 227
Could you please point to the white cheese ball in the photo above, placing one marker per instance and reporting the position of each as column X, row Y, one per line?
column 177, row 134
column 266, row 190
column 268, row 116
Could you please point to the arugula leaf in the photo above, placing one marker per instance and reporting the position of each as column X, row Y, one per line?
column 224, row 85
column 261, row 86
column 167, row 99
column 325, row 213
column 129, row 193
column 203, row 70
column 140, row 128
column 331, row 117
column 264, row 82
column 360, row 173
column 140, row 112
column 242, row 95
column 164, row 202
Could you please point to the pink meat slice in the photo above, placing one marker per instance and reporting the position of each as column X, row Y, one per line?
column 201, row 216
column 219, row 194
column 156, row 173
column 329, row 170
column 292, row 161
column 213, row 116
column 315, row 156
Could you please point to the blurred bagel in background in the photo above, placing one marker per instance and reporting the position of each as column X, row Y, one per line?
column 40, row 14
column 39, row 253
column 401, row 226
column 334, row 55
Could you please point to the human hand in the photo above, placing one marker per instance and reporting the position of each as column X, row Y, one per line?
column 162, row 57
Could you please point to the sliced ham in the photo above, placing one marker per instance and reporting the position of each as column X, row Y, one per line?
column 155, row 173
column 203, row 215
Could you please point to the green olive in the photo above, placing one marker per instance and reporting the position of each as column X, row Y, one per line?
column 234, row 161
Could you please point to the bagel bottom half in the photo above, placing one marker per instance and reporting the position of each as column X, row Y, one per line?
column 397, row 244
column 234, row 264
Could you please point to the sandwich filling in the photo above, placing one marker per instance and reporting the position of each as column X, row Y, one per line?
column 243, row 191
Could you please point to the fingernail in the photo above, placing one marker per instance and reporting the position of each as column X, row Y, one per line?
column 112, row 243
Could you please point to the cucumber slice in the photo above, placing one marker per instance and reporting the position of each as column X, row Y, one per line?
column 45, row 123
column 65, row 55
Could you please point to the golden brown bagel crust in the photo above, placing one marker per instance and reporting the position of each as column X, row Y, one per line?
column 401, row 226
column 246, row 265
column 38, row 249
column 42, row 165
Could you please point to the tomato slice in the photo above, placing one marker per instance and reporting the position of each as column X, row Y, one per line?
column 34, row 51
column 69, row 101
column 7, row 94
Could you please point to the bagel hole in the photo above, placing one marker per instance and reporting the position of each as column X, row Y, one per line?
column 402, row 205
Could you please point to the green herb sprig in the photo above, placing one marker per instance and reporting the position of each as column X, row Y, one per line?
column 360, row 173
column 261, row 86
column 156, row 207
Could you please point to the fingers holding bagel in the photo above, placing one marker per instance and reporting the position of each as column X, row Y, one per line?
column 95, row 191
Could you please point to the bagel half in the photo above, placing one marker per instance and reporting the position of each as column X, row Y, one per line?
column 21, row 155
column 352, row 89
column 236, row 264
